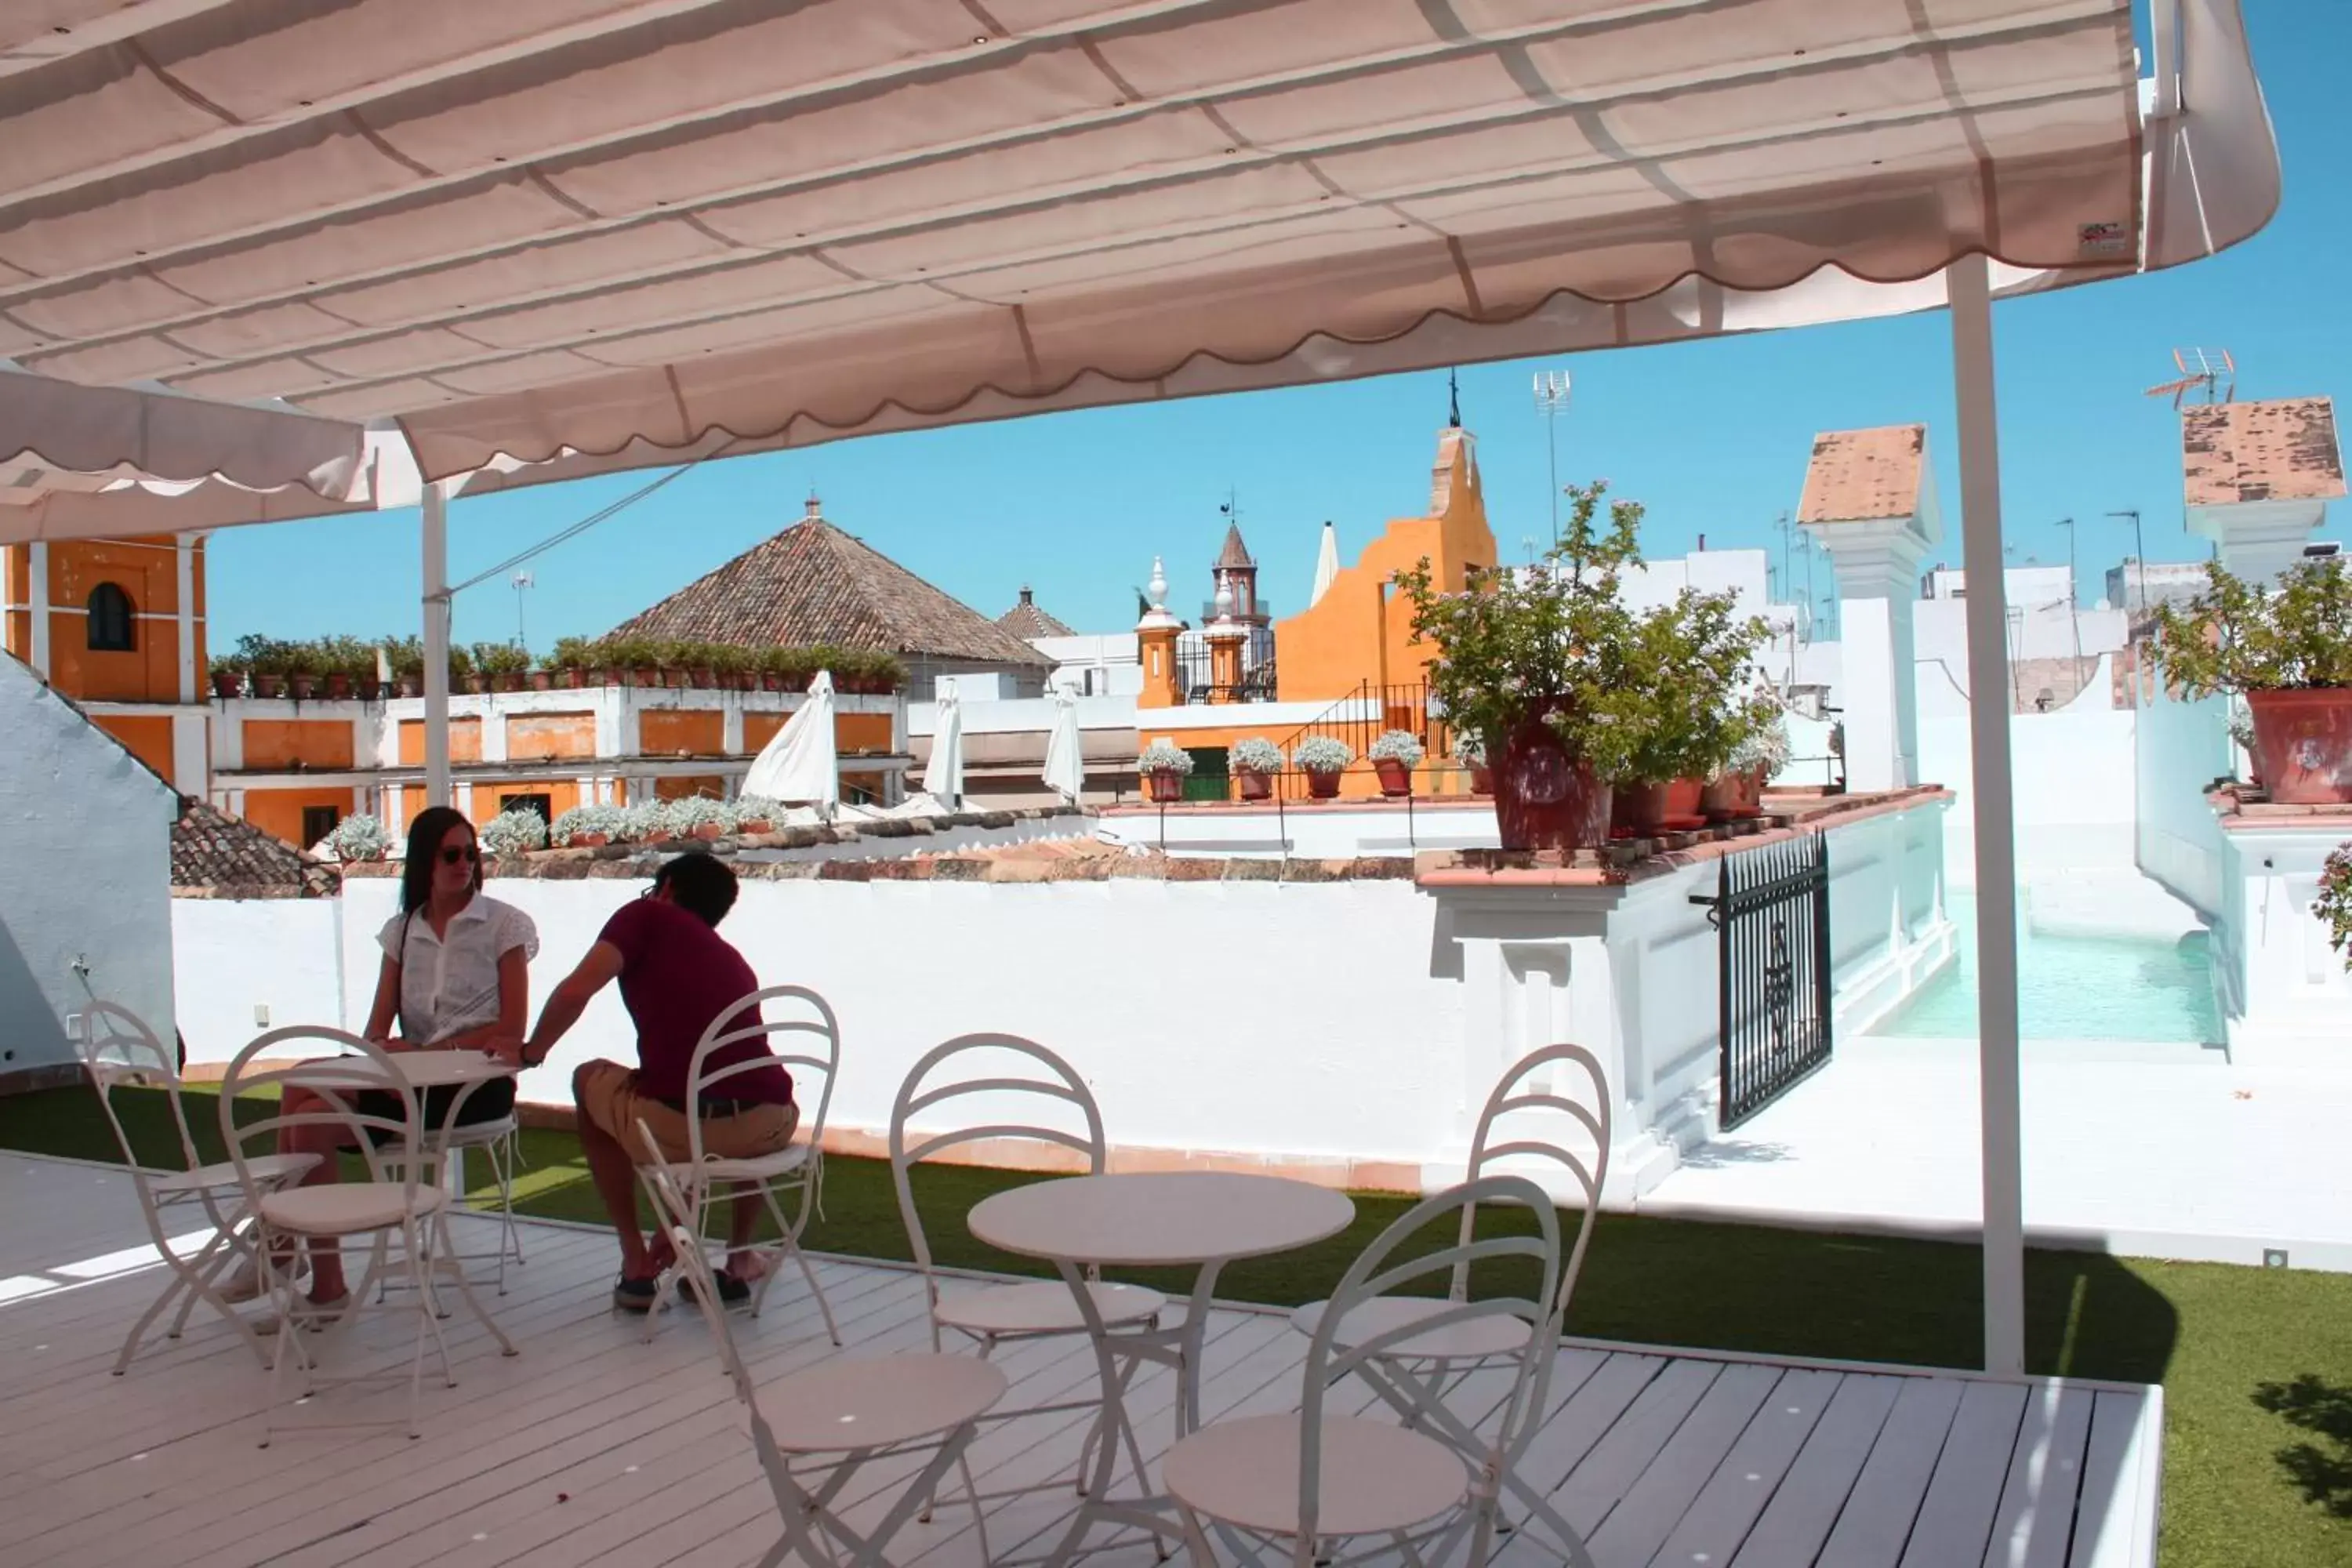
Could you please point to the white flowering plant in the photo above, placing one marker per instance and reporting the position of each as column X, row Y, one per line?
column 1161, row 757
column 1398, row 746
column 2334, row 905
column 1322, row 755
column 582, row 820
column 1761, row 726
column 760, row 808
column 688, row 813
column 1257, row 754
column 514, row 832
column 359, row 837
column 1469, row 750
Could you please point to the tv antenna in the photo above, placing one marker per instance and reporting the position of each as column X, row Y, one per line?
column 522, row 581
column 1551, row 402
column 2211, row 368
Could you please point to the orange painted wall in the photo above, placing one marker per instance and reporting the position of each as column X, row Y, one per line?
column 860, row 732
column 681, row 732
column 710, row 786
column 563, row 794
column 279, row 811
column 148, row 737
column 282, row 742
column 758, row 729
column 1362, row 630
column 534, row 737
column 465, row 741
column 148, row 571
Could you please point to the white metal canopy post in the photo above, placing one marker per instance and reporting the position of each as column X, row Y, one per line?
column 435, row 508
column 1989, row 793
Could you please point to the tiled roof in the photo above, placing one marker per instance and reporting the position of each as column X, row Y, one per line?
column 1858, row 475
column 2283, row 448
column 1235, row 555
column 813, row 584
column 1026, row 620
column 216, row 851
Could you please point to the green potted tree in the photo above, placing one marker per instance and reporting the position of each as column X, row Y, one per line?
column 1534, row 662
column 1689, row 661
column 228, row 674
column 1164, row 768
column 1255, row 761
column 302, row 663
column 1395, row 756
column 1322, row 758
column 2289, row 653
column 405, row 657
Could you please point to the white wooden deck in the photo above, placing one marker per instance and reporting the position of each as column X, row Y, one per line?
column 593, row 1448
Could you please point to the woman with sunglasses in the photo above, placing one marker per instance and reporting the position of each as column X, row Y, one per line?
column 455, row 976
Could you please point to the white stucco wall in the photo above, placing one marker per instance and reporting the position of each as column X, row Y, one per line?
column 2284, row 993
column 2181, row 748
column 245, row 965
column 85, row 875
column 2072, row 789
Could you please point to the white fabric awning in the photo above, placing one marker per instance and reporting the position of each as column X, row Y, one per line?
column 582, row 235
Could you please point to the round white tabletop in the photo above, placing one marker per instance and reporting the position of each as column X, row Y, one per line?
column 423, row 1069
column 1171, row 1218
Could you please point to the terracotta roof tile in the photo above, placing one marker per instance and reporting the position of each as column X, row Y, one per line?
column 1235, row 555
column 1026, row 620
column 213, row 850
column 1858, row 475
column 813, row 584
column 2282, row 448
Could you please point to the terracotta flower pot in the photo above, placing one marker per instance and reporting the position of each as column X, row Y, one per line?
column 1165, row 784
column 544, row 679
column 1545, row 798
column 1323, row 783
column 339, row 687
column 302, row 686
column 658, row 836
column 702, row 674
column 586, row 841
column 2303, row 744
column 411, row 685
column 368, row 689
column 268, row 685
column 227, row 684
column 1396, row 777
column 755, row 825
column 1257, row 784
column 708, row 831
column 1735, row 797
column 1669, row 807
column 1482, row 780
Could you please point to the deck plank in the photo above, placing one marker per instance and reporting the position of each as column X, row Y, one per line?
column 594, row 1449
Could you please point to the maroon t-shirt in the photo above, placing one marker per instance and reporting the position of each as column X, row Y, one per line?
column 677, row 975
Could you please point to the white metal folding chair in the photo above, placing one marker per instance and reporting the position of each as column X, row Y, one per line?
column 838, row 1417
column 1561, row 1081
column 500, row 1142
column 119, row 1050
column 1306, row 1487
column 989, row 1316
column 801, row 1035
column 406, row 1213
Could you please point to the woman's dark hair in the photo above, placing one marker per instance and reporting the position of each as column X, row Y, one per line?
column 424, row 835
column 699, row 885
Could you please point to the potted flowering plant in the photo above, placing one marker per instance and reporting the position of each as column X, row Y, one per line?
column 1736, row 792
column 757, row 814
column 1395, row 756
column 646, row 823
column 2289, row 654
column 228, row 672
column 359, row 837
column 2334, row 905
column 1164, row 768
column 1470, row 751
column 405, row 658
column 514, row 832
column 1254, row 763
column 699, row 817
column 1688, row 661
column 1322, row 758
column 500, row 667
column 585, row 827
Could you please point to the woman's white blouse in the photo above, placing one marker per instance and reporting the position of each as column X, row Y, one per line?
column 448, row 986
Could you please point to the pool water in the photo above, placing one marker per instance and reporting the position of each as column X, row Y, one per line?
column 2073, row 988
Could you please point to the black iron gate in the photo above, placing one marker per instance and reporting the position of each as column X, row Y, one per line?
column 1771, row 915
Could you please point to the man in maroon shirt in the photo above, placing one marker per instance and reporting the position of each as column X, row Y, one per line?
column 676, row 974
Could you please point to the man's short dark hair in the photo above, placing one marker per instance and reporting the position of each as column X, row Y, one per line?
column 700, row 883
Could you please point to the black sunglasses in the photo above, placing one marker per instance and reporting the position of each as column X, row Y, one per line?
column 451, row 856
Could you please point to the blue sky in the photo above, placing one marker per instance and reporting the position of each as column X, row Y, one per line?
column 1712, row 436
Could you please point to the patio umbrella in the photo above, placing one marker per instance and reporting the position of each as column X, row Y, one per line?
column 799, row 763
column 1065, row 768
column 1327, row 564
column 943, row 777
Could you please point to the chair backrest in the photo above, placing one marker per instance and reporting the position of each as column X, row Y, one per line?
column 799, row 1033
column 343, row 1066
column 1391, row 1262
column 677, row 1219
column 120, row 1050
column 1056, row 1081
column 1533, row 1084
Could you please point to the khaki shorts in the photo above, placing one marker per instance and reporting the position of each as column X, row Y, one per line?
column 607, row 1095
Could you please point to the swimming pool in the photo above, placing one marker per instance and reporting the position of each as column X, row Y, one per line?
column 2073, row 988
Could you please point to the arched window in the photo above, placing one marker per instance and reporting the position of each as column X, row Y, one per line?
column 111, row 623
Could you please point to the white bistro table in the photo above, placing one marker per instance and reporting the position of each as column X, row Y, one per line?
column 1177, row 1219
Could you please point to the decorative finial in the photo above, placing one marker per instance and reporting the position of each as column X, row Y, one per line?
column 1158, row 585
column 815, row 506
column 1224, row 599
column 1452, row 400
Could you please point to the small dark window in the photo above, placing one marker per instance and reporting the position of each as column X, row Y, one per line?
column 111, row 620
column 541, row 804
column 318, row 821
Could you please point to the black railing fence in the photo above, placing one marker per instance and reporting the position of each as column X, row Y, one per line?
column 1771, row 914
column 1196, row 674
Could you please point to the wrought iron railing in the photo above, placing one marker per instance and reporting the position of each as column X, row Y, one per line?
column 1771, row 914
column 1196, row 674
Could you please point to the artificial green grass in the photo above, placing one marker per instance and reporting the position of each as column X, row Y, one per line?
column 2256, row 1364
